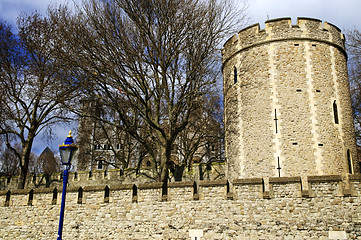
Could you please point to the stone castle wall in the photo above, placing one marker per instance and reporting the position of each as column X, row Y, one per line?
column 288, row 159
column 198, row 172
column 284, row 87
column 245, row 209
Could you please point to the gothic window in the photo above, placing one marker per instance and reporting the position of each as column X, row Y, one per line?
column 235, row 75
column 335, row 112
column 100, row 165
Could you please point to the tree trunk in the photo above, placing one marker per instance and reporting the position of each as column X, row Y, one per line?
column 165, row 162
column 24, row 162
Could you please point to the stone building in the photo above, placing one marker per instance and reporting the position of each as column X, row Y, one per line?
column 287, row 101
column 290, row 148
column 104, row 146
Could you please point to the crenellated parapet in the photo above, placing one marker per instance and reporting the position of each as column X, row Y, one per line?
column 332, row 186
column 113, row 176
column 281, row 29
column 252, row 208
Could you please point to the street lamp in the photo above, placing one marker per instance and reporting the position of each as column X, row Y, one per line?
column 67, row 151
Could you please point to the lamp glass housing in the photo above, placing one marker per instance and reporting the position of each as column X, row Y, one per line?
column 67, row 150
column 66, row 154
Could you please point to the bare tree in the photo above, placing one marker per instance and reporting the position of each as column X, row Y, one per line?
column 9, row 164
column 202, row 140
column 354, row 51
column 152, row 62
column 34, row 85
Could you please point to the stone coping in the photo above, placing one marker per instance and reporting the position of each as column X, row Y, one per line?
column 158, row 185
column 284, row 180
column 280, row 19
column 150, row 185
column 213, row 183
column 325, row 178
column 180, row 184
column 355, row 177
column 247, row 181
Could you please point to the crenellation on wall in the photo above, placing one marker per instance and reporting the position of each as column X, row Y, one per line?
column 43, row 199
column 282, row 29
column 289, row 187
column 111, row 177
column 248, row 216
column 150, row 195
column 181, row 191
column 93, row 197
column 121, row 195
column 332, row 188
column 283, row 190
column 250, row 190
column 325, row 178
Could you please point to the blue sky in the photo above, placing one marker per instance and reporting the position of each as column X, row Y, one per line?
column 343, row 13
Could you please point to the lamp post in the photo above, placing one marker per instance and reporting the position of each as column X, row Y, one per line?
column 67, row 151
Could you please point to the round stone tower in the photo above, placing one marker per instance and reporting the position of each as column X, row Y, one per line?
column 287, row 101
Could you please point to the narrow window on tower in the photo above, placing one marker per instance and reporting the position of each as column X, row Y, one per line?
column 278, row 166
column 349, row 162
column 235, row 75
column 100, row 165
column 276, row 119
column 335, row 113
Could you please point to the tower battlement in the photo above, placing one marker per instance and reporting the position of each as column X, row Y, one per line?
column 281, row 29
column 320, row 187
column 287, row 101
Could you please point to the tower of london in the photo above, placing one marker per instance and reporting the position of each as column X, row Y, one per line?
column 287, row 101
column 291, row 167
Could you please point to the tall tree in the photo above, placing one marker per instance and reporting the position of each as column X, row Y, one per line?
column 34, row 85
column 202, row 140
column 152, row 62
column 354, row 51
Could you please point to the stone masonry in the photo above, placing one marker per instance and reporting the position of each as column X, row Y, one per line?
column 287, row 101
column 290, row 151
column 221, row 211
